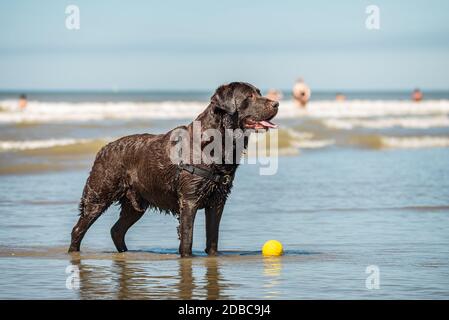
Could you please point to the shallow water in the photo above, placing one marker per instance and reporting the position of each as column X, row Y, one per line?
column 337, row 208
column 389, row 210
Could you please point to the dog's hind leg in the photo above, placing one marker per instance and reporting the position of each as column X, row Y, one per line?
column 128, row 216
column 89, row 215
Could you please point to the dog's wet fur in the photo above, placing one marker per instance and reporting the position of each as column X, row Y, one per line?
column 137, row 172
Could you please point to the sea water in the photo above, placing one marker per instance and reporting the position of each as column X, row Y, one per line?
column 360, row 202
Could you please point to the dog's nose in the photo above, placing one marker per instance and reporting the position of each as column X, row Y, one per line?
column 275, row 104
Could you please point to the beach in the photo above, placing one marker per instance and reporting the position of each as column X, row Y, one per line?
column 362, row 182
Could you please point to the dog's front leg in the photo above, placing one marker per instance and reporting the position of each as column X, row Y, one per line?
column 213, row 217
column 187, row 219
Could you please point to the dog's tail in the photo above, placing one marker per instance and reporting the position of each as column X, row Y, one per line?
column 82, row 203
column 81, row 208
column 84, row 197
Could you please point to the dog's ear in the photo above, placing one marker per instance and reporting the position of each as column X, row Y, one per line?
column 223, row 99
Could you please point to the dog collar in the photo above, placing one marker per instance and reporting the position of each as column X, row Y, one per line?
column 209, row 174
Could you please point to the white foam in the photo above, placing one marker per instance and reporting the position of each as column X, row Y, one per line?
column 408, row 122
column 64, row 111
column 305, row 140
column 415, row 142
column 61, row 111
column 313, row 144
column 38, row 144
column 365, row 108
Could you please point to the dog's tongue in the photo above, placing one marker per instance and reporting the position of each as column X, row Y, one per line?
column 267, row 124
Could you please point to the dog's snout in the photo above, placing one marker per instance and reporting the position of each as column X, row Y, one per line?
column 275, row 104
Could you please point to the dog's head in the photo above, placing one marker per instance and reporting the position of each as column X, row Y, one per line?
column 244, row 102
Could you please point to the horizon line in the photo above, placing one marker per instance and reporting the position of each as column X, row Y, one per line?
column 157, row 90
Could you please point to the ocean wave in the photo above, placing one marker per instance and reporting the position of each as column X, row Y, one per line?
column 411, row 123
column 26, row 168
column 61, row 111
column 54, row 146
column 64, row 111
column 37, row 144
column 380, row 142
column 289, row 142
column 368, row 108
column 305, row 140
column 36, row 156
column 415, row 142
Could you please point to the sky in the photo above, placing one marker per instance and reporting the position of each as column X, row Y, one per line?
column 197, row 45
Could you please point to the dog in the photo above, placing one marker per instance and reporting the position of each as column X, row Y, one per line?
column 137, row 171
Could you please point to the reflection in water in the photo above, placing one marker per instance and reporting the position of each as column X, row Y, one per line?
column 272, row 272
column 122, row 279
column 132, row 281
column 95, row 281
column 214, row 281
column 186, row 284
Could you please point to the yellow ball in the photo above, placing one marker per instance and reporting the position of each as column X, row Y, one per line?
column 272, row 248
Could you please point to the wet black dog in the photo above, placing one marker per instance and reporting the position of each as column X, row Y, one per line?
column 138, row 172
